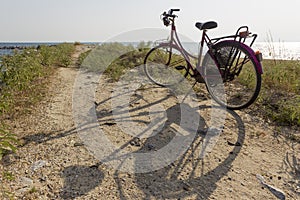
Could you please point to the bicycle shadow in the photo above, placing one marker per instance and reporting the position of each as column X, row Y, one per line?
column 188, row 176
column 79, row 180
column 199, row 185
column 168, row 182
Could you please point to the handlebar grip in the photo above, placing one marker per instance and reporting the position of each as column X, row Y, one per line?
column 173, row 10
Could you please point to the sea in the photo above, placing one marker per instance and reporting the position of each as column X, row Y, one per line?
column 270, row 50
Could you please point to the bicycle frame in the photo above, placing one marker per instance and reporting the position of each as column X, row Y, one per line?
column 240, row 36
column 174, row 40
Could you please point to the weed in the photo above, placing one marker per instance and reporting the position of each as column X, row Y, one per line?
column 32, row 190
column 8, row 176
column 7, row 142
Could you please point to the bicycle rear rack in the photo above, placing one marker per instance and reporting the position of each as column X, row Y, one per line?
column 230, row 69
column 241, row 35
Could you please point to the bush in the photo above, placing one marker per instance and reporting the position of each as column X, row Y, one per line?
column 57, row 55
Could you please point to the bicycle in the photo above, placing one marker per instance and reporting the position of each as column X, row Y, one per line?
column 229, row 58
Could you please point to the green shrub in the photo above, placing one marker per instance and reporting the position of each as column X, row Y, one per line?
column 113, row 59
column 7, row 142
column 57, row 55
column 64, row 54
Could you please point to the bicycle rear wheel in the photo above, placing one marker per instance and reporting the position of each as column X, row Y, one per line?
column 165, row 65
column 238, row 66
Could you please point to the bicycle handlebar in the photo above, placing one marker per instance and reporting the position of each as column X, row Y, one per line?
column 166, row 16
column 173, row 10
column 170, row 13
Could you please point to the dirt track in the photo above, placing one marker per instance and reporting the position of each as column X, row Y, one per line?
column 53, row 163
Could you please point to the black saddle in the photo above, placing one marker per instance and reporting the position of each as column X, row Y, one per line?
column 206, row 25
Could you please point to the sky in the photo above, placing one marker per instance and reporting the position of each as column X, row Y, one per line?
column 101, row 20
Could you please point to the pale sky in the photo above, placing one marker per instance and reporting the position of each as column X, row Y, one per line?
column 99, row 20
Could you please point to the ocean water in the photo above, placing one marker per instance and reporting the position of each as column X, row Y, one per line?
column 279, row 50
column 274, row 50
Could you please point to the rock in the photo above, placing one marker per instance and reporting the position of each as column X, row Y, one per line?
column 26, row 181
column 151, row 146
column 78, row 144
column 38, row 164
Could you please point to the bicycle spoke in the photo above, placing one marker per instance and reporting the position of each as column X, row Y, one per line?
column 241, row 79
column 165, row 65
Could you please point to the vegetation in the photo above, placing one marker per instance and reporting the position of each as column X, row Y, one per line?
column 7, row 142
column 22, row 82
column 280, row 94
column 59, row 55
column 83, row 56
column 8, row 175
column 113, row 59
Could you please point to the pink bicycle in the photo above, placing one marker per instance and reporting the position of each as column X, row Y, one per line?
column 237, row 65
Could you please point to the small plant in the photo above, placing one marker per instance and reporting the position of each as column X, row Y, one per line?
column 76, row 43
column 32, row 190
column 8, row 176
column 7, row 142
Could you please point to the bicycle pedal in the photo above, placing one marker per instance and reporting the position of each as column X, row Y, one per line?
column 179, row 67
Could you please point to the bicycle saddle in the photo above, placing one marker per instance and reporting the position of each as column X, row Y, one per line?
column 206, row 25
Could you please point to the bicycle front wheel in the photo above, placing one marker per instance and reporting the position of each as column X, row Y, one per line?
column 238, row 66
column 165, row 65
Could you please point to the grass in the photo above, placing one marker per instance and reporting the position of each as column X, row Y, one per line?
column 113, row 59
column 280, row 94
column 23, row 83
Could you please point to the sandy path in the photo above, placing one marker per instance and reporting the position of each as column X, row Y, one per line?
column 53, row 163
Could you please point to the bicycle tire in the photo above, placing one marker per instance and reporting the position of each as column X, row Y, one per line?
column 240, row 71
column 165, row 65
